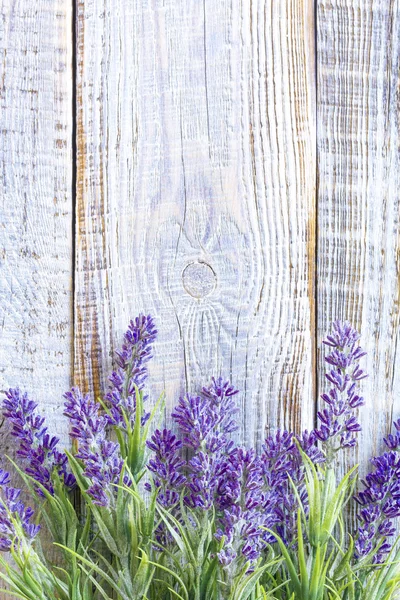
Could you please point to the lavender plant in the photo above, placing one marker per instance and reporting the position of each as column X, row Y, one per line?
column 338, row 421
column 380, row 503
column 36, row 447
column 101, row 458
column 12, row 509
column 136, row 511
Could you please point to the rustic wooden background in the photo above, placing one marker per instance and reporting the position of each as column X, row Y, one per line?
column 231, row 166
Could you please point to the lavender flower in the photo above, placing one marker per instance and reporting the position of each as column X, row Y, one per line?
column 206, row 422
column 244, row 514
column 207, row 419
column 168, row 478
column 250, row 493
column 380, row 502
column 11, row 509
column 338, row 423
column 282, row 460
column 36, row 447
column 220, row 393
column 101, row 458
column 393, row 440
column 166, row 467
column 131, row 372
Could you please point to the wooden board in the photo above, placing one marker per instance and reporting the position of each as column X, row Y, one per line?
column 36, row 330
column 196, row 197
column 36, row 208
column 358, row 194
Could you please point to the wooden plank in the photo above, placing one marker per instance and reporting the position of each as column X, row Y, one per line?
column 196, row 195
column 36, row 305
column 358, row 196
column 36, row 268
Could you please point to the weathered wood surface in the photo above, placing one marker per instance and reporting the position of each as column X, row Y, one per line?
column 36, row 329
column 358, row 194
column 196, row 197
column 195, row 194
column 36, row 267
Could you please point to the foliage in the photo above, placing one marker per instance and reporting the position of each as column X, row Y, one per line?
column 139, row 512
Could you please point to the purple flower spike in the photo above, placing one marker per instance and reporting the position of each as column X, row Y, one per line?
column 393, row 440
column 343, row 335
column 281, row 460
column 101, row 458
column 36, row 446
column 194, row 419
column 380, row 502
column 131, row 372
column 244, row 513
column 338, row 423
column 11, row 507
column 206, row 422
column 166, row 466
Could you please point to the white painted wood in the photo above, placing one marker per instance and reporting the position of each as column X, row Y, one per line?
column 196, row 196
column 36, row 268
column 36, row 330
column 358, row 197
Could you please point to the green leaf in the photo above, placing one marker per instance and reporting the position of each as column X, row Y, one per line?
column 336, row 502
column 181, row 538
column 98, row 570
column 12, row 593
column 174, row 575
column 341, row 569
column 302, row 558
column 96, row 584
column 76, row 468
column 289, row 563
column 247, row 584
column 135, row 442
column 207, row 579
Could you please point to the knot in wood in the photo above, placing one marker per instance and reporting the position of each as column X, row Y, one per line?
column 199, row 279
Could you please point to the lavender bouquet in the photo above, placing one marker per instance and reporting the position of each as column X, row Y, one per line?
column 140, row 512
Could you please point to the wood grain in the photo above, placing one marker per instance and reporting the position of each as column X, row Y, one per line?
column 36, row 325
column 358, row 194
column 196, row 197
column 36, row 203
